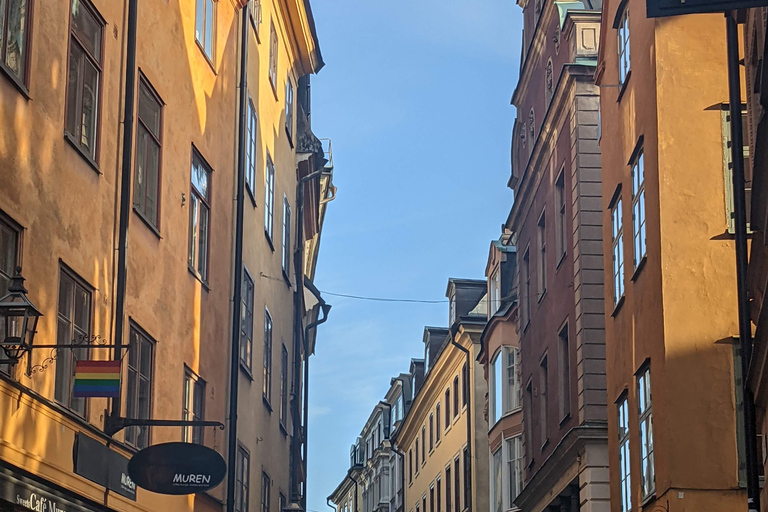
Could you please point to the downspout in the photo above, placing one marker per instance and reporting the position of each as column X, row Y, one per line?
column 328, row 502
column 234, row 364
column 125, row 190
column 357, row 505
column 468, row 491
column 298, row 304
column 326, row 308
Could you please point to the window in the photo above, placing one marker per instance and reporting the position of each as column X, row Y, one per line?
column 543, row 392
column 431, row 498
column 645, row 411
column 146, row 180
column 141, row 360
column 638, row 208
column 281, row 502
column 250, row 152
column 14, row 29
column 289, row 108
column 512, row 400
column 529, row 423
column 448, row 488
column 423, row 445
column 242, row 479
column 199, row 217
column 286, row 237
column 83, row 87
column 467, row 477
column 273, row 56
column 266, row 388
column 73, row 328
column 424, row 502
column 10, row 258
column 727, row 159
column 624, row 473
column 504, row 388
column 269, row 202
column 561, row 242
column 624, row 61
column 457, row 482
column 437, row 419
column 265, row 484
column 514, row 448
column 447, row 408
column 205, row 25
column 193, row 408
column 452, row 312
column 246, row 322
column 497, row 482
column 284, row 386
column 410, row 465
column 439, row 489
column 494, row 292
column 542, row 270
column 525, row 280
column 617, row 243
column 496, row 389
column 417, row 455
column 255, row 11
column 456, row 396
column 564, row 364
column 431, row 432
column 464, row 384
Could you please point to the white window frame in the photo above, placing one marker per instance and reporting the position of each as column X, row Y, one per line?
column 645, row 419
column 617, row 250
column 496, row 477
column 494, row 291
column 625, row 64
column 513, row 463
column 269, row 201
column 625, row 481
column 510, row 391
column 638, row 208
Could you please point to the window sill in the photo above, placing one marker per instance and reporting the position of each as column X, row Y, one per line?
column 205, row 56
column 544, row 444
column 274, row 86
column 82, row 153
column 623, row 87
column 541, row 296
column 527, row 324
column 269, row 240
column 639, row 267
column 565, row 419
column 287, row 278
column 290, row 137
column 651, row 497
column 283, row 430
column 250, row 194
column 618, row 305
column 266, row 403
column 560, row 261
column 246, row 370
column 16, row 81
column 198, row 277
column 147, row 223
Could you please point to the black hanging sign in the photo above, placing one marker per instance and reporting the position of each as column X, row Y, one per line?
column 662, row 8
column 103, row 466
column 177, row 468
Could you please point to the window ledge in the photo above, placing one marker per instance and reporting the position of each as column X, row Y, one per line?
column 560, row 261
column 623, row 87
column 266, row 403
column 269, row 240
column 283, row 430
column 544, row 444
column 198, row 277
column 618, row 305
column 287, row 278
column 639, row 267
column 147, row 223
column 250, row 194
column 82, row 153
column 542, row 295
column 290, row 137
column 246, row 370
column 205, row 56
column 16, row 81
column 651, row 497
column 565, row 419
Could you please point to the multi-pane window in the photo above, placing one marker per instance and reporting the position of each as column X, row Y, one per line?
column 250, row 153
column 448, row 483
column 512, row 399
column 193, row 408
column 439, row 489
column 452, row 310
column 266, row 482
column 617, row 244
column 266, row 388
column 14, row 28
column 542, row 261
column 504, row 389
column 423, row 445
column 494, row 286
column 543, row 399
column 624, row 473
column 289, row 107
column 284, row 386
column 10, row 258
column 623, row 33
column 564, row 365
column 286, row 236
column 273, row 56
column 467, row 477
column 464, row 384
column 496, row 389
column 255, row 15
column 497, row 481
column 431, row 432
column 525, row 284
column 205, row 25
column 438, row 430
column 141, row 355
column 242, row 479
column 638, row 208
column 455, row 396
column 83, row 86
column 199, row 217
column 410, row 466
column 417, row 455
column 447, row 408
column 514, row 458
column 728, row 161
column 269, row 201
column 146, row 180
column 246, row 322
column 457, row 483
column 73, row 328
column 561, row 241
column 645, row 411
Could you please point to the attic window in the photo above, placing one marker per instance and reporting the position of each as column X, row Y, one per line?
column 453, row 308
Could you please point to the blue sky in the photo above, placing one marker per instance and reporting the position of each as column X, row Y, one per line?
column 415, row 96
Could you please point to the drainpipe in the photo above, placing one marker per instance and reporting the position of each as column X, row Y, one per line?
column 125, row 189
column 328, row 502
column 357, row 505
column 468, row 491
column 326, row 308
column 234, row 364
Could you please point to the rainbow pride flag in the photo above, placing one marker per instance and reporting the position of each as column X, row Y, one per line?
column 97, row 379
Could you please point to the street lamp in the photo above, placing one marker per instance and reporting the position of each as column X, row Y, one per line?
column 18, row 319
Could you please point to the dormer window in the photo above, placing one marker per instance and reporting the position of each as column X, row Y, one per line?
column 453, row 308
column 494, row 292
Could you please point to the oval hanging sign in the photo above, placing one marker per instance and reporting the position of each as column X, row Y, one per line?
column 177, row 468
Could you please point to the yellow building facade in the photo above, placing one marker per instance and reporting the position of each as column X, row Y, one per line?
column 62, row 97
